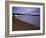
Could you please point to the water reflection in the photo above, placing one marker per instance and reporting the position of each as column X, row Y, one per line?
column 35, row 20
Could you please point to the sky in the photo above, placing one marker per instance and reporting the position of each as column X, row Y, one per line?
column 25, row 10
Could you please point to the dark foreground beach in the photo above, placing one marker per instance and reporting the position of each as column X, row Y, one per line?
column 18, row 25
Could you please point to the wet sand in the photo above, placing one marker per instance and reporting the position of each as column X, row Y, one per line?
column 18, row 25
